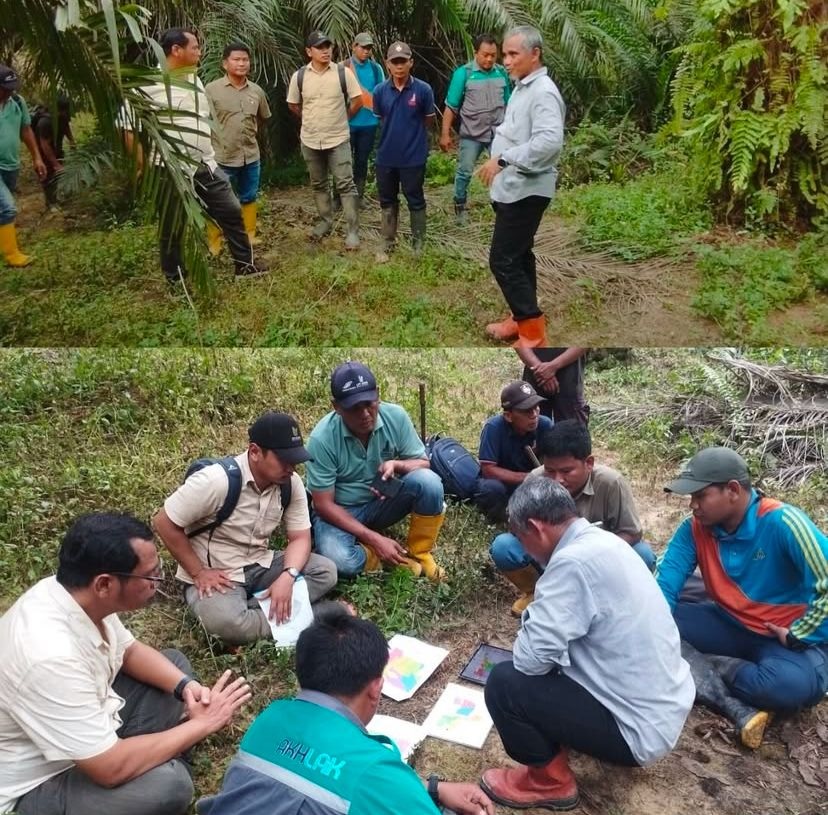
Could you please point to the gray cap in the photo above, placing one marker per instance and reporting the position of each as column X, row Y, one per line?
column 317, row 38
column 364, row 38
column 519, row 395
column 715, row 465
column 399, row 50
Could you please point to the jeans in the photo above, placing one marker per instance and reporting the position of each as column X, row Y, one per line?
column 362, row 143
column 245, row 180
column 492, row 497
column 216, row 196
column 508, row 554
column 467, row 155
column 8, row 186
column 510, row 255
column 536, row 716
column 335, row 161
column 164, row 790
column 421, row 492
column 236, row 618
column 411, row 179
column 773, row 677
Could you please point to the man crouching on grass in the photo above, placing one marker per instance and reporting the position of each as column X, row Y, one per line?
column 91, row 720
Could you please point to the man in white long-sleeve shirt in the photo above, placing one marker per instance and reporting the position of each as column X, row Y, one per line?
column 522, row 175
column 598, row 624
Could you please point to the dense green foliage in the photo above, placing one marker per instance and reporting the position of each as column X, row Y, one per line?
column 751, row 96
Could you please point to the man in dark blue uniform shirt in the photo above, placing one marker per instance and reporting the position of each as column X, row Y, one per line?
column 504, row 459
column 406, row 107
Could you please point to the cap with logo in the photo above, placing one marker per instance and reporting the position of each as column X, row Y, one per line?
column 279, row 432
column 519, row 396
column 8, row 78
column 317, row 38
column 398, row 49
column 363, row 39
column 715, row 465
column 351, row 383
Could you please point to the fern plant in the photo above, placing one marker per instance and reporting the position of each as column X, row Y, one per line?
column 751, row 96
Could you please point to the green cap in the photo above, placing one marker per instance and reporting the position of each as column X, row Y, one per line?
column 715, row 465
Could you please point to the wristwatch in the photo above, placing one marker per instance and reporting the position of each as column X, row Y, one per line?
column 178, row 690
column 501, row 162
column 294, row 573
column 433, row 781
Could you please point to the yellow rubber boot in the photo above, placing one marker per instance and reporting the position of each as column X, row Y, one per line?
column 249, row 212
column 422, row 535
column 215, row 238
column 524, row 581
column 8, row 246
column 372, row 562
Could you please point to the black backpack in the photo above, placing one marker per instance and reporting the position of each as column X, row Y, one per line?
column 343, row 83
column 234, row 485
column 458, row 469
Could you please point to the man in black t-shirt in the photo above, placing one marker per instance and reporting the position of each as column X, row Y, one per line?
column 557, row 374
column 50, row 134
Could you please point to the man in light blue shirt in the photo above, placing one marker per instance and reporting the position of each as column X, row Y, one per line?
column 522, row 174
column 368, row 470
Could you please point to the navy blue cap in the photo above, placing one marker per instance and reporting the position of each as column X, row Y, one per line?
column 351, row 383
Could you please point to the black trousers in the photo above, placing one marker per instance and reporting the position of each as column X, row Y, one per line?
column 510, row 256
column 411, row 179
column 538, row 715
column 212, row 187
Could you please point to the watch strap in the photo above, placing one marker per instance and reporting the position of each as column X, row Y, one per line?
column 178, row 690
column 433, row 781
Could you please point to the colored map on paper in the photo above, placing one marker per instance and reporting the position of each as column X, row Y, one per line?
column 460, row 715
column 406, row 735
column 410, row 663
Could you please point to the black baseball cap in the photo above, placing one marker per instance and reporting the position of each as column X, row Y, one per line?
column 351, row 383
column 715, row 465
column 317, row 38
column 279, row 432
column 8, row 78
column 519, row 395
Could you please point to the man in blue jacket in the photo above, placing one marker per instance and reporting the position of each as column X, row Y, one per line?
column 765, row 568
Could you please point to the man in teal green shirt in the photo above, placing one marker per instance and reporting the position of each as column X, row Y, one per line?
column 312, row 754
column 15, row 126
column 368, row 470
column 478, row 93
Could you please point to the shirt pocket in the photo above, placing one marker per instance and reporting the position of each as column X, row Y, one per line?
column 250, row 105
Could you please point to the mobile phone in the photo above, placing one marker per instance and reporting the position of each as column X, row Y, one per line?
column 389, row 487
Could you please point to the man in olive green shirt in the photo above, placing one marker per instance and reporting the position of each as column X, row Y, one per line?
column 15, row 126
column 602, row 495
column 240, row 108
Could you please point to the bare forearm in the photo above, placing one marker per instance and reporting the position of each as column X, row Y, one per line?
column 298, row 550
column 178, row 544
column 568, row 356
column 527, row 356
column 408, row 465
column 48, row 154
column 28, row 138
column 296, row 110
column 151, row 667
column 448, row 121
column 512, row 477
column 353, row 109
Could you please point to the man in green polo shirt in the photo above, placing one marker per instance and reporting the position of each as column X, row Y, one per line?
column 313, row 753
column 368, row 470
column 15, row 126
column 477, row 95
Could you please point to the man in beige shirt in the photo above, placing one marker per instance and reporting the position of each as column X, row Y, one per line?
column 602, row 496
column 324, row 96
column 224, row 565
column 91, row 719
column 240, row 107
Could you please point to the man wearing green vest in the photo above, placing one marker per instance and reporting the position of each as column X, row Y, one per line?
column 477, row 94
column 313, row 754
column 15, row 126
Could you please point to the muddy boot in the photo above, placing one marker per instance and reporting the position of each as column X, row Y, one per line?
column 336, row 201
column 388, row 232
column 325, row 209
column 524, row 581
column 372, row 562
column 215, row 238
column 712, row 692
column 422, row 535
column 551, row 786
column 8, row 246
column 461, row 213
column 249, row 218
column 504, row 331
column 418, row 231
column 350, row 206
column 531, row 333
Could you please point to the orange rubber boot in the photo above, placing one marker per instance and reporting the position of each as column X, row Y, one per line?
column 531, row 333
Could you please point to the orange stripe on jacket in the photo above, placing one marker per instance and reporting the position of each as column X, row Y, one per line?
column 726, row 592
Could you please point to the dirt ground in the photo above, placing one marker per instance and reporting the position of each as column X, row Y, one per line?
column 709, row 772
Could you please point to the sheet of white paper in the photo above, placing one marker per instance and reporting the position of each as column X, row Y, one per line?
column 301, row 615
column 410, row 663
column 460, row 715
column 406, row 735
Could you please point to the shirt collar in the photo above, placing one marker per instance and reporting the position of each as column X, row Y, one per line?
column 228, row 82
column 331, row 67
column 588, row 488
column 529, row 78
column 329, row 702
column 74, row 612
column 578, row 526
column 408, row 84
column 747, row 527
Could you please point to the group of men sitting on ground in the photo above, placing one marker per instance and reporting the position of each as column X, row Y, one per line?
column 91, row 718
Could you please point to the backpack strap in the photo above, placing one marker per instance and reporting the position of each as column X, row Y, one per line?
column 343, row 83
column 286, row 493
column 300, row 78
column 234, row 485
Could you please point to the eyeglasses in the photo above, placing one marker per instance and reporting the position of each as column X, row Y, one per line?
column 155, row 577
